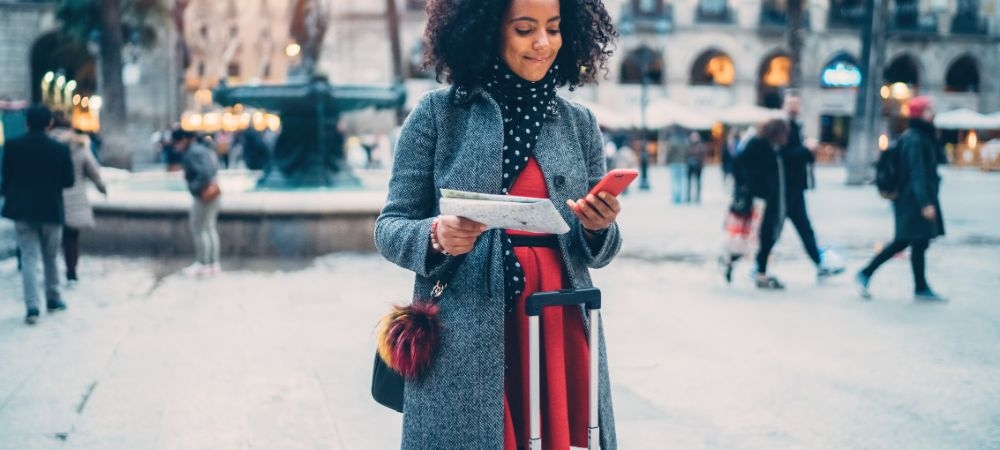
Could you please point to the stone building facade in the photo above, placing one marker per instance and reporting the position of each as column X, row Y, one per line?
column 703, row 53
column 942, row 48
column 30, row 47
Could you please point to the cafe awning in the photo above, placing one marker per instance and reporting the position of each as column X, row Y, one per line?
column 967, row 119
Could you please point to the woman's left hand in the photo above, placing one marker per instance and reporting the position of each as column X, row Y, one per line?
column 596, row 213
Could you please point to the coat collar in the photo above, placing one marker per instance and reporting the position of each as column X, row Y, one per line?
column 464, row 96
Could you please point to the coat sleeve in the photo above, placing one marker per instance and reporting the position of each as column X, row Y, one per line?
column 67, row 176
column 5, row 172
column 916, row 173
column 203, row 166
column 601, row 250
column 92, row 170
column 402, row 229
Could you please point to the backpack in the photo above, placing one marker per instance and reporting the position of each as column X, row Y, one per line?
column 888, row 173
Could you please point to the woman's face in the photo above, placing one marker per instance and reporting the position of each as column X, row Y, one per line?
column 530, row 38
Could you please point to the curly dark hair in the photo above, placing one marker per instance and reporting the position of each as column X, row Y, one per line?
column 462, row 36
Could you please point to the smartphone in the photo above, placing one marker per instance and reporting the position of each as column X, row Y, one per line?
column 615, row 181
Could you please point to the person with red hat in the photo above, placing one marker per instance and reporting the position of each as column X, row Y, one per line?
column 917, row 208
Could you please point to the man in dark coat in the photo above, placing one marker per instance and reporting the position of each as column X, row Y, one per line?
column 760, row 171
column 797, row 160
column 917, row 208
column 36, row 169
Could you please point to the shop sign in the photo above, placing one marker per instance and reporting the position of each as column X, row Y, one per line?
column 841, row 75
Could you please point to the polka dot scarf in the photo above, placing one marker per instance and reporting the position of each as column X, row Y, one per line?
column 524, row 106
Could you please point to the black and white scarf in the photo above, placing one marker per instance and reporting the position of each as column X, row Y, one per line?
column 524, row 106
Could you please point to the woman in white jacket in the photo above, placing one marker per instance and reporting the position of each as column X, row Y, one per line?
column 78, row 212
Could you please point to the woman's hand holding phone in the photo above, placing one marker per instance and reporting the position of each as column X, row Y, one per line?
column 599, row 209
column 596, row 212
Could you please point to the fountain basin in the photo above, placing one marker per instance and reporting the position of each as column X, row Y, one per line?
column 147, row 214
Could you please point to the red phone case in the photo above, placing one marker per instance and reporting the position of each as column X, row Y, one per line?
column 615, row 181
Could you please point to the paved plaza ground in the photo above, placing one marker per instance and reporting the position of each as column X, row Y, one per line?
column 277, row 354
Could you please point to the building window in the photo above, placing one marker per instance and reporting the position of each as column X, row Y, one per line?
column 642, row 60
column 967, row 18
column 846, row 13
column 203, row 31
column 713, row 11
column 772, row 13
column 713, row 68
column 962, row 76
column 775, row 75
column 233, row 69
column 647, row 8
column 416, row 5
column 201, row 69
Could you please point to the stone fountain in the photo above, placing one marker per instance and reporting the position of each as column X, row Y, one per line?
column 307, row 202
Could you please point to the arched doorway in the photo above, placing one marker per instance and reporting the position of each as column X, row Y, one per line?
column 839, row 80
column 901, row 82
column 774, row 76
column 713, row 68
column 962, row 75
column 903, row 69
column 61, row 56
column 64, row 77
column 640, row 60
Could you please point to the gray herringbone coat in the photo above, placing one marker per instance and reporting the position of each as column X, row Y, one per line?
column 455, row 141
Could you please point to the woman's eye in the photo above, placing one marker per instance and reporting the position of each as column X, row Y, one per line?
column 522, row 32
column 554, row 32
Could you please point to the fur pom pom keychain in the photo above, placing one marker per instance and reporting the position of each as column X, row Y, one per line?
column 408, row 335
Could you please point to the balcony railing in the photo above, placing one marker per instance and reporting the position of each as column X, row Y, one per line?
column 713, row 11
column 633, row 21
column 846, row 16
column 907, row 20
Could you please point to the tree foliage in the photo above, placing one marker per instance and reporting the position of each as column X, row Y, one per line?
column 80, row 19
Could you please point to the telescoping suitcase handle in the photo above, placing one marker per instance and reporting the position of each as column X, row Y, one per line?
column 591, row 298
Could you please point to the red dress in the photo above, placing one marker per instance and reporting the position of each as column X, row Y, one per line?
column 564, row 391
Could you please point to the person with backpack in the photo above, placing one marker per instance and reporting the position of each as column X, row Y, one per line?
column 907, row 174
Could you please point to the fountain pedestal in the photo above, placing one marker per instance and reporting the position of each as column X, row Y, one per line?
column 309, row 152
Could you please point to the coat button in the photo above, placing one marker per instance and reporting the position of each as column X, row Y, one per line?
column 559, row 180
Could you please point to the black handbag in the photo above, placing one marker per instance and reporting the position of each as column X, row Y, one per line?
column 742, row 204
column 388, row 385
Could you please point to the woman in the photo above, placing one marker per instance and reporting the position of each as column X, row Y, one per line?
column 79, row 214
column 759, row 169
column 501, row 129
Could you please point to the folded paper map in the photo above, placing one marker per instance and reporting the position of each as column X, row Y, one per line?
column 537, row 215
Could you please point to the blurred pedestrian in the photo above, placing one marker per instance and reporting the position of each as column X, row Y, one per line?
column 798, row 161
column 729, row 147
column 369, row 141
column 504, row 59
column 201, row 169
column 625, row 158
column 677, row 161
column 696, row 153
column 759, row 170
column 78, row 213
column 917, row 209
column 36, row 169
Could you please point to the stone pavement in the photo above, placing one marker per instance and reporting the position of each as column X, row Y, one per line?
column 277, row 354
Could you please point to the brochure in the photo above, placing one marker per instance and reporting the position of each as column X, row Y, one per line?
column 537, row 215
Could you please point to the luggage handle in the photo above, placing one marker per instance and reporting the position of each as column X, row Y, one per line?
column 589, row 297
